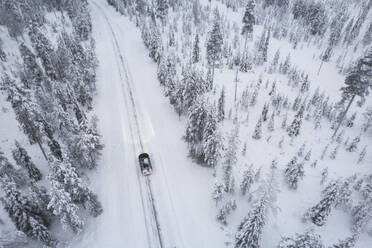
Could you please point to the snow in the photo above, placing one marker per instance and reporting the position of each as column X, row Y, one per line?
column 181, row 189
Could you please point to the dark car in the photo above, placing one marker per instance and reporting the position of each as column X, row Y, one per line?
column 145, row 164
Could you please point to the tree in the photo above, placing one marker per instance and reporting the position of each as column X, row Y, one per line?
column 257, row 134
column 211, row 139
column 248, row 22
column 7, row 170
column 294, row 172
column 294, row 129
column 217, row 192
column 196, row 50
column 215, row 42
column 25, row 215
column 307, row 240
column 346, row 243
column 230, row 158
column 221, row 105
column 247, row 181
column 161, row 9
column 358, row 82
column 250, row 230
column 319, row 213
column 354, row 144
column 21, row 157
column 155, row 45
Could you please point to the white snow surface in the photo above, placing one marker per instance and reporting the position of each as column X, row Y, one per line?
column 180, row 188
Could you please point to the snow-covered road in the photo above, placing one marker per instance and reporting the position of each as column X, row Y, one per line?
column 172, row 207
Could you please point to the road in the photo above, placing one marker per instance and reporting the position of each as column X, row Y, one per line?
column 170, row 208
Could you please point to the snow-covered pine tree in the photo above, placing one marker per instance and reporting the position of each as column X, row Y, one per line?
column 294, row 129
column 195, row 128
column 346, row 243
column 301, row 151
column 211, row 139
column 25, row 215
column 230, row 158
column 248, row 22
column 21, row 157
column 324, row 175
column 274, row 63
column 358, row 82
column 284, row 67
column 217, row 192
column 215, row 42
column 320, row 212
column 362, row 215
column 192, row 86
column 221, row 105
column 265, row 110
column 257, row 134
column 353, row 145
column 362, row 155
column 161, row 9
column 308, row 155
column 7, row 170
column 155, row 44
column 294, row 172
column 196, row 50
column 368, row 119
column 250, row 230
column 334, row 153
column 247, row 181
column 271, row 125
column 307, row 240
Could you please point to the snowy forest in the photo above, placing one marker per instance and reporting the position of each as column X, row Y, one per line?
column 263, row 109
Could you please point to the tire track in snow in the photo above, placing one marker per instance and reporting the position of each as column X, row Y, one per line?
column 148, row 181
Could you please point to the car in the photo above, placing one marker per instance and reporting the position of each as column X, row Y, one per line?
column 145, row 164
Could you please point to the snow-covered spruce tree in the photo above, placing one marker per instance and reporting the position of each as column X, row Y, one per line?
column 195, row 128
column 368, row 119
column 230, row 158
column 293, row 173
column 362, row 155
column 85, row 148
column 358, row 82
column 247, row 181
column 346, row 243
column 250, row 230
column 8, row 170
column 262, row 47
column 27, row 112
column 21, row 157
column 196, row 50
column 362, row 215
column 353, row 145
column 248, row 22
column 225, row 210
column 320, row 212
column 294, row 129
column 62, row 206
column 285, row 67
column 3, row 56
column 265, row 110
column 32, row 75
column 221, row 105
column 211, row 139
column 307, row 240
column 161, row 9
column 217, row 192
column 274, row 63
column 65, row 174
column 271, row 125
column 301, row 151
column 155, row 44
column 334, row 153
column 24, row 214
column 192, row 86
column 215, row 42
column 257, row 134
